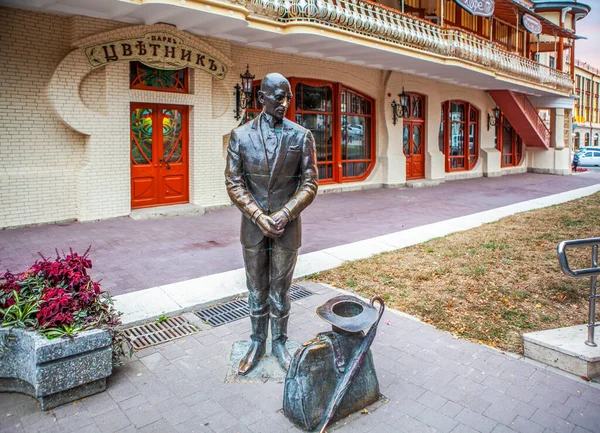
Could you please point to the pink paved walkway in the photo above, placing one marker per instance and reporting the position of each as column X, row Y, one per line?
column 132, row 255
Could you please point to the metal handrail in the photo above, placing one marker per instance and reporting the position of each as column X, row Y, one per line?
column 591, row 272
column 534, row 118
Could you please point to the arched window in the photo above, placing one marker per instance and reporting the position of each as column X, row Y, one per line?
column 595, row 139
column 587, row 139
column 144, row 77
column 357, row 135
column 459, row 133
column 313, row 108
column 342, row 121
column 577, row 140
column 509, row 143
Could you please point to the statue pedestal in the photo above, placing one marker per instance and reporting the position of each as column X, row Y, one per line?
column 267, row 370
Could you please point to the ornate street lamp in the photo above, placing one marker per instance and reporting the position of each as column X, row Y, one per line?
column 243, row 93
column 403, row 108
column 493, row 120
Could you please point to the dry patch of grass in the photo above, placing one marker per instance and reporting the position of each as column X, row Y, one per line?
column 490, row 284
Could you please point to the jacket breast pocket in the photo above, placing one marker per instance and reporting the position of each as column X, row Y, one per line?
column 295, row 149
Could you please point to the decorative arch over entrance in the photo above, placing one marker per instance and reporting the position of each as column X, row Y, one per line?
column 104, row 183
column 97, row 51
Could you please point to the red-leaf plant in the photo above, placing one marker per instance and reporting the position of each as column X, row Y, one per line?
column 60, row 299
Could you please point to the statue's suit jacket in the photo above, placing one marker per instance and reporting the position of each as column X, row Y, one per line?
column 291, row 183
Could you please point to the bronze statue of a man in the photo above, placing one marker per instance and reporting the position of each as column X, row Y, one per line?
column 271, row 176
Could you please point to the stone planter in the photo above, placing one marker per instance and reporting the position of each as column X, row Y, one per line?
column 55, row 371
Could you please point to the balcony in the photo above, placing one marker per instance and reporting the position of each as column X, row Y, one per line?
column 392, row 27
column 356, row 32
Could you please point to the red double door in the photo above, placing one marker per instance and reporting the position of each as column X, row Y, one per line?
column 159, row 155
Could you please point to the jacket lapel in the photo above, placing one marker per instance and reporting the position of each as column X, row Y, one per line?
column 282, row 149
column 258, row 143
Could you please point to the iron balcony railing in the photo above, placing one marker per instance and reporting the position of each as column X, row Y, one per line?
column 376, row 21
column 587, row 67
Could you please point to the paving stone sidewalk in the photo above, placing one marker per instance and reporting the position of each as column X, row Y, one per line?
column 434, row 383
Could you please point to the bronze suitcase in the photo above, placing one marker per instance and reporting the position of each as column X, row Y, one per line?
column 314, row 373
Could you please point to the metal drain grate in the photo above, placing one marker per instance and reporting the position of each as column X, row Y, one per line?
column 224, row 313
column 154, row 333
column 297, row 292
column 238, row 309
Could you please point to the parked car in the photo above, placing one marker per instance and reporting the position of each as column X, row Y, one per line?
column 585, row 148
column 588, row 158
column 355, row 129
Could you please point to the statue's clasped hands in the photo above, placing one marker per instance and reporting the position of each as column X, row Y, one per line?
column 272, row 225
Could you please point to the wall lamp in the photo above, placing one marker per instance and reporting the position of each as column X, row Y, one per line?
column 493, row 120
column 403, row 108
column 243, row 93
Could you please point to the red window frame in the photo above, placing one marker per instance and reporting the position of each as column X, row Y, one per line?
column 134, row 78
column 469, row 160
column 335, row 124
column 336, row 161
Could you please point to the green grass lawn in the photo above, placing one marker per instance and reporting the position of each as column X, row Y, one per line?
column 490, row 284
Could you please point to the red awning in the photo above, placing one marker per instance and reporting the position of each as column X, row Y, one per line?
column 506, row 10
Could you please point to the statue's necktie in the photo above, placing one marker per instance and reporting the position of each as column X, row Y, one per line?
column 272, row 139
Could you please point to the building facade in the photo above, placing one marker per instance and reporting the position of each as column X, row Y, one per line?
column 586, row 119
column 112, row 106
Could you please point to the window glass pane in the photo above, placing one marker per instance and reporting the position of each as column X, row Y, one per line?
column 352, row 169
column 457, row 112
column 416, row 140
column 353, row 103
column 325, row 171
column 355, row 137
column 472, row 138
column 457, row 139
column 406, row 139
column 141, row 136
column 417, row 107
column 172, row 135
column 507, row 140
column 313, row 98
column 146, row 77
column 320, row 126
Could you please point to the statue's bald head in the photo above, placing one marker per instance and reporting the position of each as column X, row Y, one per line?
column 272, row 81
column 275, row 94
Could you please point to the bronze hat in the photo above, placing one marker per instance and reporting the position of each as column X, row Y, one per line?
column 348, row 313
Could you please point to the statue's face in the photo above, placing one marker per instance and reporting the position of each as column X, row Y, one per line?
column 276, row 98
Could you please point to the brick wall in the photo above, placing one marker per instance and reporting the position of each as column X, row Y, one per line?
column 39, row 155
column 50, row 171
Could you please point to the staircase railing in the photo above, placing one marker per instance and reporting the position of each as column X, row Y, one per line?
column 533, row 116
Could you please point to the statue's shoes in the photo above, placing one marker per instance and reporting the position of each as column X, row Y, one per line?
column 282, row 354
column 256, row 351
